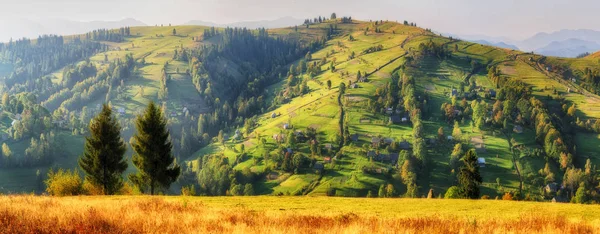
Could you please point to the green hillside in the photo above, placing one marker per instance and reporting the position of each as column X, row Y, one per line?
column 285, row 132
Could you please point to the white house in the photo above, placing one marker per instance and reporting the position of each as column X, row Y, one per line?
column 481, row 162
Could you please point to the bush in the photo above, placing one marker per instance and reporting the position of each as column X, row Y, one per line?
column 452, row 193
column 507, row 196
column 331, row 192
column 188, row 190
column 64, row 183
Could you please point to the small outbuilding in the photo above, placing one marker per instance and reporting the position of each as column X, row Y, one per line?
column 481, row 162
column 518, row 129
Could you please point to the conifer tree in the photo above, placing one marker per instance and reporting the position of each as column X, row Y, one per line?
column 153, row 155
column 103, row 159
column 469, row 177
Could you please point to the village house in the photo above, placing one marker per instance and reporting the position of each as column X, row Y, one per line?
column 404, row 145
column 328, row 146
column 481, row 162
column 454, row 92
column 551, row 187
column 518, row 129
column 273, row 115
column 394, row 119
column 318, row 167
column 375, row 141
column 286, row 126
column 354, row 137
column 327, row 160
column 237, row 134
column 492, row 93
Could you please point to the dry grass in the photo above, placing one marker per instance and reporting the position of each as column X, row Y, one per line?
column 30, row 214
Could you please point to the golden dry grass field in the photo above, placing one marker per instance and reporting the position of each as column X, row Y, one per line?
column 269, row 214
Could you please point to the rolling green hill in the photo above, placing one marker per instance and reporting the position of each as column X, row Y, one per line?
column 385, row 54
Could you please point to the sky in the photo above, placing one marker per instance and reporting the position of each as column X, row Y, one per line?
column 516, row 19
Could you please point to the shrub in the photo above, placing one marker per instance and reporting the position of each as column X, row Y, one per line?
column 188, row 190
column 64, row 183
column 331, row 192
column 452, row 193
column 507, row 196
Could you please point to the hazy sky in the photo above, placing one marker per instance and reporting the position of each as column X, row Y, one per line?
column 512, row 18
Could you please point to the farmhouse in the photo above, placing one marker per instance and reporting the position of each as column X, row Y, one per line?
column 286, row 126
column 328, row 146
column 394, row 158
column 492, row 93
column 354, row 137
column 273, row 115
column 551, row 188
column 394, row 119
column 518, row 129
column 299, row 133
column 404, row 145
column 481, row 162
column 318, row 167
column 327, row 160
column 375, row 141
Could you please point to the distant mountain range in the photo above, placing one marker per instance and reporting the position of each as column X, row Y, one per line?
column 276, row 23
column 563, row 43
column 19, row 28
column 568, row 48
column 497, row 44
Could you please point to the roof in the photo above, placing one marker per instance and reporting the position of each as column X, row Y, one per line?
column 404, row 145
column 481, row 160
column 395, row 119
column 394, row 157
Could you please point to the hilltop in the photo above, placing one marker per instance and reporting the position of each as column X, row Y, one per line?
column 278, row 121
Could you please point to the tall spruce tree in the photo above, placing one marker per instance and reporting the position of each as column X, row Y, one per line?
column 469, row 177
column 103, row 159
column 153, row 155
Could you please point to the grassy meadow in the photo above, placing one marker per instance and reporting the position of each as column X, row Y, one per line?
column 269, row 214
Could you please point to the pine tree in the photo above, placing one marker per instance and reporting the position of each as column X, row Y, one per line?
column 469, row 177
column 153, row 155
column 103, row 159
